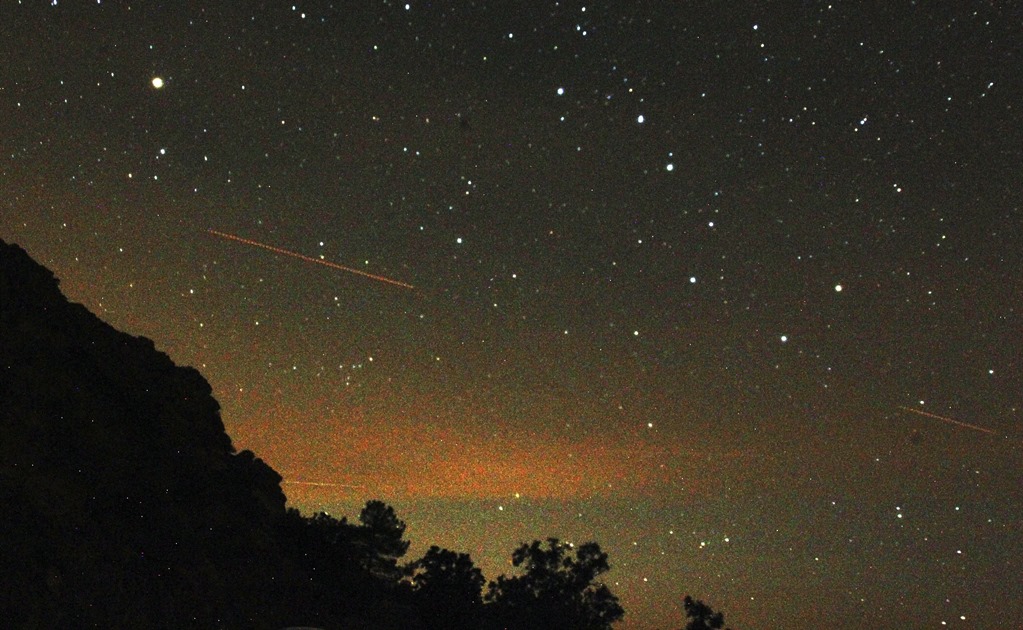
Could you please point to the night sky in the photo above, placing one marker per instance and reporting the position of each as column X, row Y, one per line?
column 684, row 273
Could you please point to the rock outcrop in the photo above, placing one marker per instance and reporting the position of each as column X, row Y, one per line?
column 123, row 500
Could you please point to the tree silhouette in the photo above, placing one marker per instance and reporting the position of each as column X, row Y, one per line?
column 374, row 546
column 339, row 573
column 556, row 590
column 701, row 616
column 447, row 589
column 380, row 541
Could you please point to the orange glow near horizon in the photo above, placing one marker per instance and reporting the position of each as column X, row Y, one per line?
column 351, row 456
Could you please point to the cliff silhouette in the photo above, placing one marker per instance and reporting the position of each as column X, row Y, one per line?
column 124, row 504
column 124, row 501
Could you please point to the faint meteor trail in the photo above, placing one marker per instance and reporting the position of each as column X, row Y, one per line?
column 326, row 263
column 949, row 420
column 322, row 484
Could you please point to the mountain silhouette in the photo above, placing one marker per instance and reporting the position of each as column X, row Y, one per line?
column 124, row 501
column 124, row 504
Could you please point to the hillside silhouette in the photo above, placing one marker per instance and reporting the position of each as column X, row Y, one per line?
column 124, row 501
column 125, row 505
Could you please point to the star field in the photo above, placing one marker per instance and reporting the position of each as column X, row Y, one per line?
column 677, row 271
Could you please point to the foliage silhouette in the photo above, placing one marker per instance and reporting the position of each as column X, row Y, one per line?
column 340, row 565
column 701, row 616
column 380, row 540
column 447, row 588
column 555, row 590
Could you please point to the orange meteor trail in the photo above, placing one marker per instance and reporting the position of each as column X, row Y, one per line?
column 322, row 483
column 949, row 420
column 326, row 263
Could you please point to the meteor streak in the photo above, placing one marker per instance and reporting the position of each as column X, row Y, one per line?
column 325, row 263
column 322, row 484
column 949, row 420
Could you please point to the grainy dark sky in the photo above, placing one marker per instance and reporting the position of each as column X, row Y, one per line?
column 684, row 273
